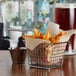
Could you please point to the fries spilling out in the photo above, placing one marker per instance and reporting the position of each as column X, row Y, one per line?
column 47, row 36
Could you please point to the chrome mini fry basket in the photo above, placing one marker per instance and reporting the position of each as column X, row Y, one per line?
column 47, row 55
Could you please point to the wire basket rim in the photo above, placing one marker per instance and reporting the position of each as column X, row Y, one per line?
column 57, row 43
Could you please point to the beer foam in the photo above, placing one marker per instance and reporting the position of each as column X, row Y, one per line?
column 65, row 5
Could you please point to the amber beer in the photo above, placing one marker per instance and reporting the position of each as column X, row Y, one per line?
column 65, row 15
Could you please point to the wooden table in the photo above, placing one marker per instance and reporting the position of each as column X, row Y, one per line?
column 7, row 69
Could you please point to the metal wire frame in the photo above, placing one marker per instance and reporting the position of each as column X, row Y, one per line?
column 38, row 58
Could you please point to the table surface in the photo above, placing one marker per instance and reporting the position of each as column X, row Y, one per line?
column 9, row 69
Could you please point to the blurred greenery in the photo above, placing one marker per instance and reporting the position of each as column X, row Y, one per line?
column 52, row 1
column 39, row 25
column 15, row 20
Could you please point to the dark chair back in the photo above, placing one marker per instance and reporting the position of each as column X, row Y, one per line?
column 4, row 42
column 1, row 30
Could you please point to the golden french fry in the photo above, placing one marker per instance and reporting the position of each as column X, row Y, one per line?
column 25, row 36
column 41, row 36
column 58, row 37
column 38, row 34
column 35, row 32
column 52, row 39
column 47, row 36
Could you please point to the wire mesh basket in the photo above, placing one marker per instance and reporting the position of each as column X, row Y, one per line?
column 47, row 55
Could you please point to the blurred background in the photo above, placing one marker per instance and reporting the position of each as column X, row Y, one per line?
column 19, row 17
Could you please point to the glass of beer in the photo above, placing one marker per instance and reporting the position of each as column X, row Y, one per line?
column 65, row 16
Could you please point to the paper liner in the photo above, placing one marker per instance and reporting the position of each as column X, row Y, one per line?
column 33, row 43
column 67, row 36
column 53, row 28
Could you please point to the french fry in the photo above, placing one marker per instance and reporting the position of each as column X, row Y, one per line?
column 47, row 36
column 36, row 32
column 58, row 37
column 41, row 36
column 52, row 40
column 25, row 36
